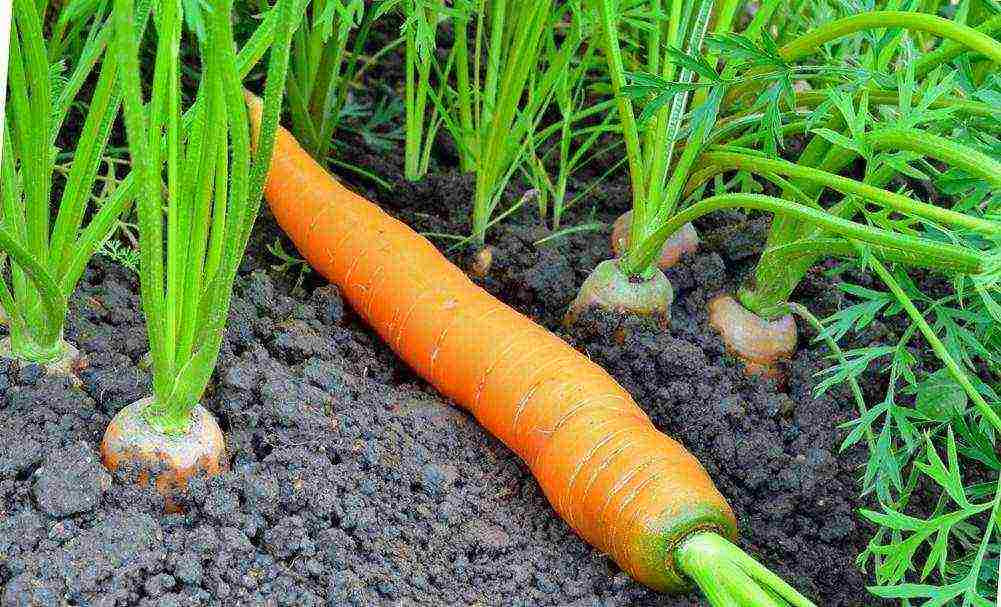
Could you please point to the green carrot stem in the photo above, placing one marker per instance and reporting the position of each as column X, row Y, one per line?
column 811, row 99
column 890, row 200
column 607, row 22
column 729, row 577
column 937, row 346
column 950, row 50
column 52, row 301
column 970, row 38
column 965, row 37
column 946, row 255
column 664, row 196
column 467, row 160
column 972, row 161
column 781, row 269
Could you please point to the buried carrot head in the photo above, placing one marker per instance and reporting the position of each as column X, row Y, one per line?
column 710, row 102
column 626, row 488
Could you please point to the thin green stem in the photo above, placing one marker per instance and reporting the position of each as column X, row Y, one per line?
column 946, row 255
column 968, row 37
column 965, row 37
column 5, row 26
column 52, row 301
column 630, row 131
column 467, row 159
column 957, row 372
column 890, row 200
column 950, row 50
column 36, row 157
column 832, row 345
column 665, row 201
column 729, row 577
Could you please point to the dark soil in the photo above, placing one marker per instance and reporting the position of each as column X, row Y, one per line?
column 354, row 483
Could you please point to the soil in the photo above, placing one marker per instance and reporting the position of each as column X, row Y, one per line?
column 353, row 483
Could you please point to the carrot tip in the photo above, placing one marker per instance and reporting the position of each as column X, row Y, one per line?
column 169, row 460
column 608, row 288
column 481, row 262
column 759, row 343
column 685, row 240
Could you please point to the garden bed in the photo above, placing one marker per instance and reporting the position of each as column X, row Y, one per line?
column 352, row 482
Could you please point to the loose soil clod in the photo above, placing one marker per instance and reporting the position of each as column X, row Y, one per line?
column 170, row 460
column 685, row 240
column 760, row 343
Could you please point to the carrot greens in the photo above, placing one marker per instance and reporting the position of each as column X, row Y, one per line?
column 558, row 151
column 325, row 59
column 506, row 61
column 46, row 252
column 199, row 188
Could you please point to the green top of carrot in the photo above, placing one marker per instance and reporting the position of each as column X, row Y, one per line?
column 728, row 576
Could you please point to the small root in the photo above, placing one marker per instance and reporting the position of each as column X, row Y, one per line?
column 761, row 344
column 685, row 240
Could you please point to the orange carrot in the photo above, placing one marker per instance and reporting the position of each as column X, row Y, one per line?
column 626, row 488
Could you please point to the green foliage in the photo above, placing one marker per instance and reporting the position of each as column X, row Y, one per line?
column 289, row 264
column 506, row 63
column 378, row 124
column 46, row 251
column 199, row 186
column 558, row 151
column 124, row 256
column 322, row 67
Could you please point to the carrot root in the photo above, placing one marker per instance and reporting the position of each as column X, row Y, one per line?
column 629, row 490
column 608, row 288
column 761, row 344
column 166, row 460
column 685, row 240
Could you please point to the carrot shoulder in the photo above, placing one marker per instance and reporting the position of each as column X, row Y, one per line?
column 628, row 489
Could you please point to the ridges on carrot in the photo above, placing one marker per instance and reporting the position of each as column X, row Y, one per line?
column 629, row 490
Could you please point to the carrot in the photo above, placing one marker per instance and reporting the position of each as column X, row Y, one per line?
column 761, row 344
column 685, row 240
column 629, row 490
